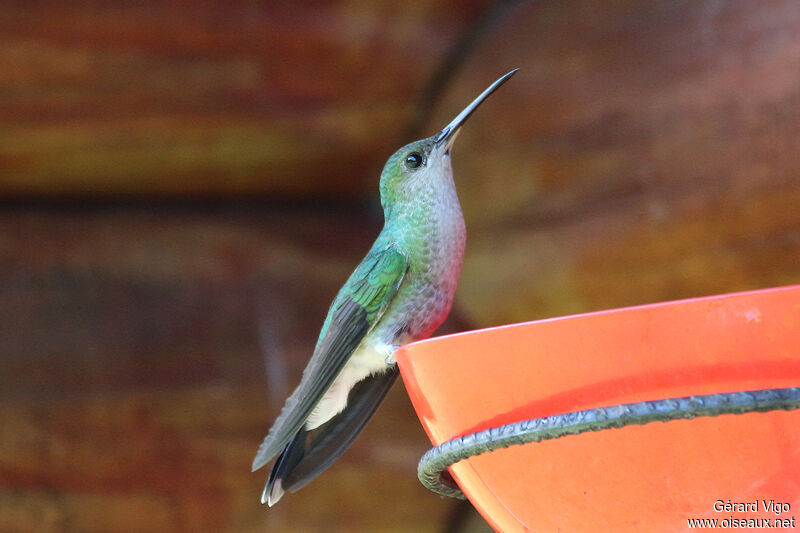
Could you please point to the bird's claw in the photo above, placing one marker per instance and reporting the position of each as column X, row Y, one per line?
column 388, row 351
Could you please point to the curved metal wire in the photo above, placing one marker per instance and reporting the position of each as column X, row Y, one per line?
column 432, row 469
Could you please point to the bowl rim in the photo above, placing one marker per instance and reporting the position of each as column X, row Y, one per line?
column 605, row 312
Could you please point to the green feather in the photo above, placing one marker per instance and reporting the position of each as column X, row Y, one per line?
column 359, row 305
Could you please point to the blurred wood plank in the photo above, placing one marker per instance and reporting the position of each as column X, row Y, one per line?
column 165, row 294
column 201, row 98
column 178, row 460
column 645, row 151
column 135, row 391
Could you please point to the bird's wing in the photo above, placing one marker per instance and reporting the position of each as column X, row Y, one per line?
column 359, row 305
column 337, row 435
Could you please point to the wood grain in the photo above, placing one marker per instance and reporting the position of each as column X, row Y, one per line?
column 204, row 98
column 185, row 185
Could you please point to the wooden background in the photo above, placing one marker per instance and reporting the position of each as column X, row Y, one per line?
column 184, row 185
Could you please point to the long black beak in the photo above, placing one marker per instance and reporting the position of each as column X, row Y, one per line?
column 448, row 134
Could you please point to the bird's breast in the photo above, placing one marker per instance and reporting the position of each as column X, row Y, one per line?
column 434, row 241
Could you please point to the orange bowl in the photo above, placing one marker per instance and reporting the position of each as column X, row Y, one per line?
column 654, row 477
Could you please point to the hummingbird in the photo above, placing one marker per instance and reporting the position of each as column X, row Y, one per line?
column 401, row 291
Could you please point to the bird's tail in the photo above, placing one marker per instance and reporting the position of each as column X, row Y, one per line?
column 289, row 458
column 301, row 461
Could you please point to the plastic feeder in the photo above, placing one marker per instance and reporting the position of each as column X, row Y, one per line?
column 635, row 419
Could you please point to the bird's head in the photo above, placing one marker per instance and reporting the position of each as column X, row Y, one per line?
column 425, row 164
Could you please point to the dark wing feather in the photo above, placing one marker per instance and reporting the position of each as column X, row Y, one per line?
column 359, row 305
column 335, row 437
column 287, row 461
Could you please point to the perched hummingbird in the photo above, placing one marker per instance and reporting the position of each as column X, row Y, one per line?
column 401, row 292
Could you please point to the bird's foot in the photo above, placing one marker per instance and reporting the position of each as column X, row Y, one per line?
column 388, row 350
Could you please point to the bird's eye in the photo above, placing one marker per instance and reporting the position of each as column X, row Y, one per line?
column 414, row 160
